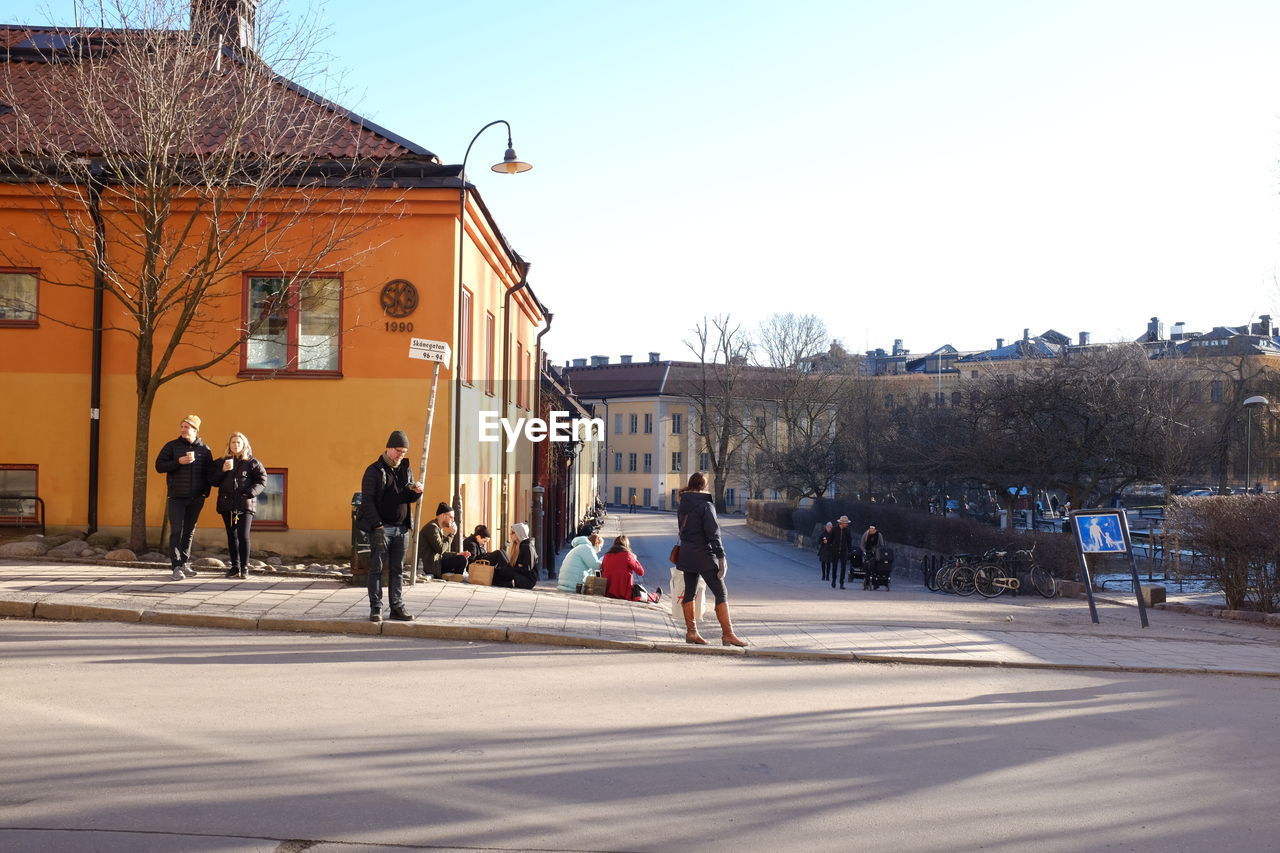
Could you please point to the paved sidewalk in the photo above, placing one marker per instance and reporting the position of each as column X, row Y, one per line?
column 460, row 611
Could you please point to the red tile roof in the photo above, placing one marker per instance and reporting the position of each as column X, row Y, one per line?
column 52, row 95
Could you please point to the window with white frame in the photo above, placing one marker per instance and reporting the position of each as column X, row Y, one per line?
column 677, row 423
column 648, row 463
column 677, row 461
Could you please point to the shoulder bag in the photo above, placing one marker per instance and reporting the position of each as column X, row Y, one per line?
column 675, row 549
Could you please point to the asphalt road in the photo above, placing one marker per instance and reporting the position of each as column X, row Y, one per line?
column 142, row 738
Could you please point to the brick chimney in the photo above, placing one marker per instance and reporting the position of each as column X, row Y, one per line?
column 232, row 22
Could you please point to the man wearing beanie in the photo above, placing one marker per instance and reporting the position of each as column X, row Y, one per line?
column 439, row 537
column 185, row 462
column 386, row 493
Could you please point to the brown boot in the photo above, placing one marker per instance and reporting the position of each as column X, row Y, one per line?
column 727, row 637
column 691, row 634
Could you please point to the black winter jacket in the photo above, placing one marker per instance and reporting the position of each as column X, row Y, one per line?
column 238, row 489
column 385, row 496
column 185, row 481
column 700, row 544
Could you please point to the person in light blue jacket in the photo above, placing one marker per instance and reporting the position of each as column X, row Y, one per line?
column 581, row 560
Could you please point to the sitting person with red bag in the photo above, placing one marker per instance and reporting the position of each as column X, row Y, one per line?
column 620, row 569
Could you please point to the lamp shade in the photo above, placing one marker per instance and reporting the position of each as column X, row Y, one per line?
column 511, row 164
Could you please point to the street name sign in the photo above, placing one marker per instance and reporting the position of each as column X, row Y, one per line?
column 429, row 350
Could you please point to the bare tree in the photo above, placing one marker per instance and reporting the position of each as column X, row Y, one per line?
column 166, row 161
column 800, row 441
column 716, row 388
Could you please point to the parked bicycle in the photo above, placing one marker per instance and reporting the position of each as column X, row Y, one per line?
column 955, row 575
column 1001, row 571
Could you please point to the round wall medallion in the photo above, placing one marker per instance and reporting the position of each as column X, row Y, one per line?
column 399, row 298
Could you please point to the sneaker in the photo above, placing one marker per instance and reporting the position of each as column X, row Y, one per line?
column 244, row 573
column 375, row 615
column 188, row 571
column 178, row 575
column 232, row 572
column 399, row 614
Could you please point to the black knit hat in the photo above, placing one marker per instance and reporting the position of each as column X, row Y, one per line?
column 398, row 439
column 443, row 508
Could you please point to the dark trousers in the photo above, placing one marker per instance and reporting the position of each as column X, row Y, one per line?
column 452, row 564
column 238, row 524
column 386, row 549
column 183, row 514
column 828, row 565
column 842, row 561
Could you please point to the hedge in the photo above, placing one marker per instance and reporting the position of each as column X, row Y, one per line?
column 916, row 528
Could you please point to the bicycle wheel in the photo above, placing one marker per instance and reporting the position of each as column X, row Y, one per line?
column 985, row 579
column 945, row 574
column 962, row 581
column 1042, row 579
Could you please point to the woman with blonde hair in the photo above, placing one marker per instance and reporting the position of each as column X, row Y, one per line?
column 519, row 566
column 239, row 478
column 702, row 558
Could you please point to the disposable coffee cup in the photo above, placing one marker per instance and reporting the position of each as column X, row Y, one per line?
column 228, row 464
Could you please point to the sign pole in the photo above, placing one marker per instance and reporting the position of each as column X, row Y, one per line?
column 1133, row 570
column 422, row 476
column 438, row 352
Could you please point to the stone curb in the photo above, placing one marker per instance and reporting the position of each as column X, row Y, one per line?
column 85, row 613
column 423, row 630
column 199, row 620
column 428, row 631
column 546, row 639
column 18, row 609
column 318, row 626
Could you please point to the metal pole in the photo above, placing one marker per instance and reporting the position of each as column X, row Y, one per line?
column 426, row 448
column 1248, row 451
column 1084, row 572
column 1133, row 570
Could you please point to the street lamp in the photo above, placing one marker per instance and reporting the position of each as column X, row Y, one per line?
column 1250, row 404
column 510, row 165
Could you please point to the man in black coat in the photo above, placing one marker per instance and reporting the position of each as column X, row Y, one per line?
column 841, row 549
column 185, row 462
column 386, row 496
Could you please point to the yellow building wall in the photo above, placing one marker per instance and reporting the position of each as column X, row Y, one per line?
column 324, row 431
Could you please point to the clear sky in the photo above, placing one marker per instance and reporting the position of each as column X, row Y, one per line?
column 940, row 172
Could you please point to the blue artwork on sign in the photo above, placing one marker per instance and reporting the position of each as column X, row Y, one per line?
column 1100, row 534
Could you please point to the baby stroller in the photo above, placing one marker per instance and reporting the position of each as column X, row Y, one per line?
column 879, row 565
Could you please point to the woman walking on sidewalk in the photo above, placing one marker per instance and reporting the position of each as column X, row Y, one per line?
column 240, row 479
column 702, row 557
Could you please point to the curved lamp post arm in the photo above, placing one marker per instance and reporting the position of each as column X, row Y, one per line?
column 510, row 165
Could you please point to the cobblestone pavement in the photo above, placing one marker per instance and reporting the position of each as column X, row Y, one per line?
column 778, row 602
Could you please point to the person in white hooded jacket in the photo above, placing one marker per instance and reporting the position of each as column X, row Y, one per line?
column 581, row 560
column 520, row 568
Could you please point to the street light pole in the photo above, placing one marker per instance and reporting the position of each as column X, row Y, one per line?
column 510, row 165
column 1250, row 404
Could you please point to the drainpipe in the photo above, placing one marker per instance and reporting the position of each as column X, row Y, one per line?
column 95, row 370
column 540, row 516
column 523, row 266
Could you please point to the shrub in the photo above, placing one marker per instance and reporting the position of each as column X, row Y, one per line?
column 904, row 525
column 1239, row 538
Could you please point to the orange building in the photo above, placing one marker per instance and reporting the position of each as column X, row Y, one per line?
column 316, row 331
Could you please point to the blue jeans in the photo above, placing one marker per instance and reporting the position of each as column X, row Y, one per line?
column 387, row 547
